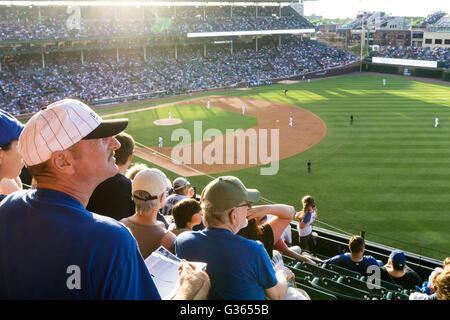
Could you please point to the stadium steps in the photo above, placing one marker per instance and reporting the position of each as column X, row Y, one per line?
column 317, row 271
column 362, row 285
column 340, row 290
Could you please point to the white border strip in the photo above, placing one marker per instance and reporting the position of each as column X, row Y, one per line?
column 124, row 3
column 405, row 62
column 247, row 33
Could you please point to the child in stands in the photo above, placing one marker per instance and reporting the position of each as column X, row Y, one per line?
column 306, row 218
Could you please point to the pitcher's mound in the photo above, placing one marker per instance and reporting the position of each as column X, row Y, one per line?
column 167, row 122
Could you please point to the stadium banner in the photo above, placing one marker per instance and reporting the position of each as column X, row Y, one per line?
column 405, row 62
column 247, row 33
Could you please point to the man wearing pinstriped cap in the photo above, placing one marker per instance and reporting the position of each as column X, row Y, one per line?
column 52, row 247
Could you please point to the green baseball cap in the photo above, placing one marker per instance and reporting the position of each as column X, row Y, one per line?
column 227, row 192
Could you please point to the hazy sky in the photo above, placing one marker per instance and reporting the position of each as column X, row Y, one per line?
column 349, row 8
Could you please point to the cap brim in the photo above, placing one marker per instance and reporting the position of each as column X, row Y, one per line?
column 108, row 128
column 253, row 195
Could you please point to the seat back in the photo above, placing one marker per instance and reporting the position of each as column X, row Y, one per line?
column 317, row 271
column 362, row 285
column 288, row 261
column 299, row 273
column 316, row 294
column 342, row 271
column 341, row 291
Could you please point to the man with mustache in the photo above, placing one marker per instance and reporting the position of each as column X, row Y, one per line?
column 51, row 246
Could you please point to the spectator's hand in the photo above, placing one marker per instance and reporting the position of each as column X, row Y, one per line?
column 194, row 283
column 287, row 273
column 297, row 215
column 257, row 212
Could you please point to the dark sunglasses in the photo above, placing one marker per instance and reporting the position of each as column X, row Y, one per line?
column 248, row 205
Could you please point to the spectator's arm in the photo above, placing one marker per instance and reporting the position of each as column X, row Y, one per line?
column 290, row 253
column 283, row 216
column 278, row 291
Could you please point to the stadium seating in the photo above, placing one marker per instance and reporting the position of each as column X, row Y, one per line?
column 362, row 285
column 102, row 76
column 288, row 261
column 342, row 271
column 302, row 274
column 317, row 271
column 314, row 293
column 340, row 290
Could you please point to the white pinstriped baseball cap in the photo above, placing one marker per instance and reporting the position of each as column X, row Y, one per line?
column 61, row 125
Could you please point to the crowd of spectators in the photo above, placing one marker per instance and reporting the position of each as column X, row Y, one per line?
column 432, row 18
column 415, row 53
column 26, row 25
column 26, row 86
column 72, row 237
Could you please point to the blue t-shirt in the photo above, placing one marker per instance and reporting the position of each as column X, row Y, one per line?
column 238, row 268
column 51, row 247
column 344, row 260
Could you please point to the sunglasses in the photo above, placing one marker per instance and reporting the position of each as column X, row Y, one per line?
column 248, row 205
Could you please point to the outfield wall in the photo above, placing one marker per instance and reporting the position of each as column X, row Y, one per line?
column 440, row 74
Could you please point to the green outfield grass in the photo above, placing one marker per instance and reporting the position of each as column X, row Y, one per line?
column 388, row 174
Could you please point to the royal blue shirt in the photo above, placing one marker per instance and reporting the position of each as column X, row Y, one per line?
column 51, row 247
column 344, row 260
column 238, row 268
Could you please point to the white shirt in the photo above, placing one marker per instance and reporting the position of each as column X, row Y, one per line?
column 307, row 219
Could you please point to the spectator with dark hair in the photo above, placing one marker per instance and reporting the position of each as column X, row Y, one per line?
column 181, row 191
column 355, row 260
column 268, row 232
column 238, row 268
column 187, row 213
column 10, row 160
column 149, row 189
column 112, row 197
column 396, row 271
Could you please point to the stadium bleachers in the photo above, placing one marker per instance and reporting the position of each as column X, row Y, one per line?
column 330, row 281
column 102, row 75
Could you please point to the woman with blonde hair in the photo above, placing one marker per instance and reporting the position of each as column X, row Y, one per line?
column 306, row 218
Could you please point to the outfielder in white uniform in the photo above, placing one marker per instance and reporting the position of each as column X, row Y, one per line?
column 170, row 114
column 160, row 142
column 243, row 109
column 291, row 121
column 208, row 105
column 436, row 122
column 384, row 82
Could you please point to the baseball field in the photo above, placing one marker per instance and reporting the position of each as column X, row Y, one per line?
column 387, row 174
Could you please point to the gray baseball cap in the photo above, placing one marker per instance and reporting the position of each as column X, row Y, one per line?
column 180, row 183
column 227, row 192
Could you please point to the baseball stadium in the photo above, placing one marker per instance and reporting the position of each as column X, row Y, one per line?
column 257, row 90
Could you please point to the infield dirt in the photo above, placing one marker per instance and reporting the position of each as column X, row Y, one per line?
column 307, row 130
